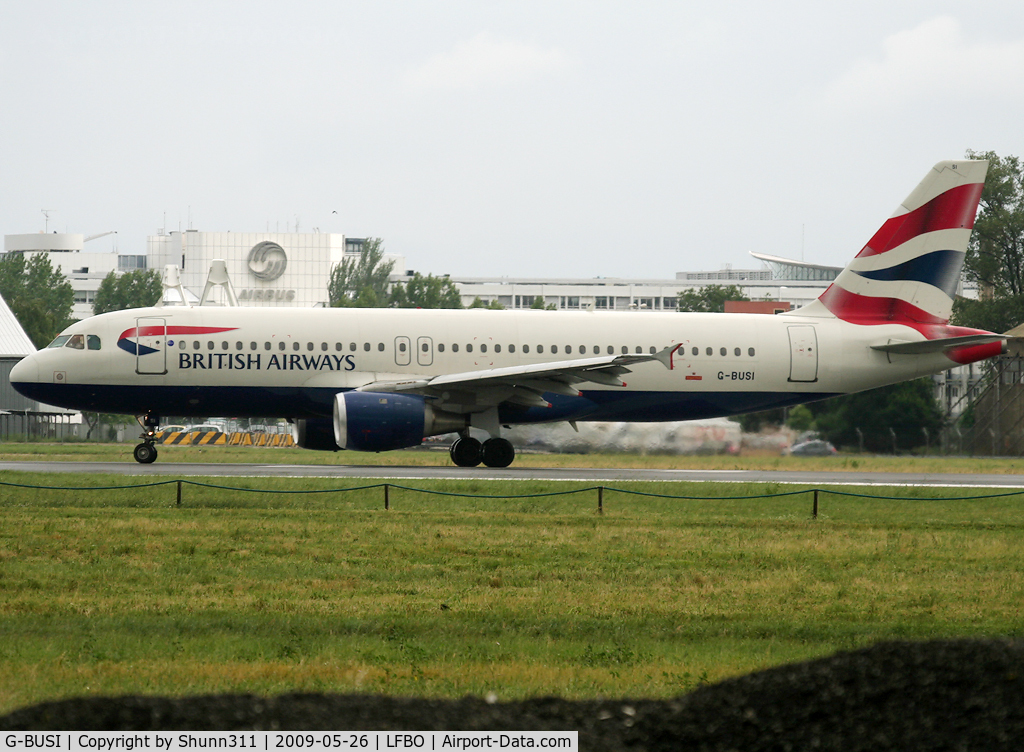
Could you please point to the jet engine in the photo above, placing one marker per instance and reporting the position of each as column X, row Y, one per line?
column 315, row 433
column 378, row 421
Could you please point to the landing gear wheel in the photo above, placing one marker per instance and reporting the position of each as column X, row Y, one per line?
column 498, row 453
column 145, row 453
column 466, row 452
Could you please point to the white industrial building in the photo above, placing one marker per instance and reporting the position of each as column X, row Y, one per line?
column 265, row 268
column 83, row 269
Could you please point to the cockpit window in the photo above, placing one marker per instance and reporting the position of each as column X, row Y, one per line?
column 77, row 342
column 92, row 341
column 59, row 342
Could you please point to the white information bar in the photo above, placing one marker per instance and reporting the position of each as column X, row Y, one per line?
column 288, row 741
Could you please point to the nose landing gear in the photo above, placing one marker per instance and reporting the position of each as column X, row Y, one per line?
column 145, row 452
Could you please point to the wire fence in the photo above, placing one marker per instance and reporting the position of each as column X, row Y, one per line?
column 600, row 491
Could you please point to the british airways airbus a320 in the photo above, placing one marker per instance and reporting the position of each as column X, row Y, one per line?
column 374, row 380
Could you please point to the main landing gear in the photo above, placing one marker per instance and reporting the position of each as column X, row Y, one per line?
column 146, row 451
column 468, row 452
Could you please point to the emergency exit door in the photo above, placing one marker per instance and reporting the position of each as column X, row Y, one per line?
column 803, row 353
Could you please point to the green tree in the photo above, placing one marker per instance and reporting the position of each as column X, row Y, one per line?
column 908, row 408
column 708, row 299
column 995, row 255
column 139, row 288
column 362, row 282
column 494, row 305
column 38, row 295
column 426, row 292
column 538, row 304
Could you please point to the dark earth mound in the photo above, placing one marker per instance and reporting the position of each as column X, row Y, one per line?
column 940, row 695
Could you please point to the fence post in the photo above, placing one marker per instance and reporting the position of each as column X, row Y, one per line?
column 600, row 499
column 814, row 510
column 387, row 498
column 179, row 493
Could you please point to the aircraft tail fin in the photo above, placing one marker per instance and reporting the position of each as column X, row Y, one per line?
column 909, row 270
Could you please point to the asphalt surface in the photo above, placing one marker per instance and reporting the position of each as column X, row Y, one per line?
column 907, row 696
column 585, row 475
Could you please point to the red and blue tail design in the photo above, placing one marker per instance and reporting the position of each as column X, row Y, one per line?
column 909, row 270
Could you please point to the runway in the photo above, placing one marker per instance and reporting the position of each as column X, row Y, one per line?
column 595, row 476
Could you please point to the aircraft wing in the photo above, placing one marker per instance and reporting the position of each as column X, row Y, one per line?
column 521, row 385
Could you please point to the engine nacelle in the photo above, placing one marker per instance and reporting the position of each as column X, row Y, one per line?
column 315, row 433
column 378, row 421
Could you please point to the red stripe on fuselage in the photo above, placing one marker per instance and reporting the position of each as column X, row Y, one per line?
column 152, row 331
column 954, row 209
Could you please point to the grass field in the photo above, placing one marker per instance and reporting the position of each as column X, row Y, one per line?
column 120, row 591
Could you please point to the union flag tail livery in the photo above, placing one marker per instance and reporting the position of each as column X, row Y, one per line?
column 381, row 379
column 908, row 272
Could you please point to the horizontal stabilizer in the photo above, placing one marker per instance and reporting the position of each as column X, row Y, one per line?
column 928, row 346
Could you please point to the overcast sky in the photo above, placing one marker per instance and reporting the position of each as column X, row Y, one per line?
column 502, row 139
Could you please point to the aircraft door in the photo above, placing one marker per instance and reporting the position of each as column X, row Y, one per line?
column 425, row 351
column 403, row 351
column 803, row 353
column 151, row 345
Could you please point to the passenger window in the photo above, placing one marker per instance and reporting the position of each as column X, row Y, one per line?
column 750, row 352
column 59, row 341
column 425, row 347
column 483, row 348
column 323, row 346
column 182, row 344
column 653, row 350
column 380, row 347
column 195, row 345
column 540, row 349
column 695, row 351
column 597, row 349
column 281, row 345
column 252, row 345
column 266, row 345
column 238, row 345
column 625, row 350
column 352, row 346
column 497, row 348
column 583, row 349
column 366, row 347
column 526, row 349
column 611, row 350
column 721, row 351
column 455, row 347
column 736, row 352
column 710, row 351
column 295, row 345
column 639, row 350
column 511, row 348
column 401, row 347
column 440, row 347
column 554, row 349
column 337, row 346
column 469, row 348
column 77, row 342
column 93, row 342
column 210, row 345
column 223, row 344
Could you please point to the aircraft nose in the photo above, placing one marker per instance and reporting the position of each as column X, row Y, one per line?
column 25, row 371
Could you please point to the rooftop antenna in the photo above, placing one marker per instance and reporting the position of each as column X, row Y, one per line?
column 46, row 213
column 803, row 234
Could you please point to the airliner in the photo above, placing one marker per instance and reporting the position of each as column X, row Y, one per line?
column 373, row 380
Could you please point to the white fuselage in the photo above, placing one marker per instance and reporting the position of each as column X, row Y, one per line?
column 290, row 362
